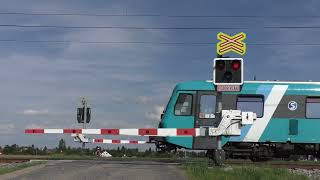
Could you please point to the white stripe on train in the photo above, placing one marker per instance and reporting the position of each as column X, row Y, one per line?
column 270, row 107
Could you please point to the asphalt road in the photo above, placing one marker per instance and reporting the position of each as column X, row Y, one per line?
column 96, row 170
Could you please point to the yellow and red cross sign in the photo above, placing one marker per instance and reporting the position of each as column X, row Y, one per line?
column 231, row 43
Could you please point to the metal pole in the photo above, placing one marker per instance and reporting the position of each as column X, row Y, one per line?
column 84, row 103
column 219, row 94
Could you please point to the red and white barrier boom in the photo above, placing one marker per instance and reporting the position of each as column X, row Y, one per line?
column 117, row 141
column 230, row 125
column 81, row 138
column 165, row 132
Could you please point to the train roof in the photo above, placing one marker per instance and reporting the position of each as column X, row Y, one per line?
column 294, row 87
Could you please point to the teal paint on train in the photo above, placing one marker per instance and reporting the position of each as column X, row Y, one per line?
column 303, row 89
column 195, row 86
column 172, row 121
column 183, row 121
column 246, row 89
column 251, row 87
column 278, row 131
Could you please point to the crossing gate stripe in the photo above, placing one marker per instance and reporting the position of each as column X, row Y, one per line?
column 34, row 131
column 143, row 132
column 91, row 131
column 53, row 131
column 98, row 140
column 72, row 131
column 110, row 131
column 114, row 141
column 167, row 132
column 130, row 132
column 133, row 142
column 185, row 132
column 107, row 141
column 124, row 141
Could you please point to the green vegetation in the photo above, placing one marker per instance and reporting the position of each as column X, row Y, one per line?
column 8, row 169
column 62, row 151
column 203, row 172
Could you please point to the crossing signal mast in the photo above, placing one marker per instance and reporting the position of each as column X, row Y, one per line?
column 84, row 115
column 227, row 77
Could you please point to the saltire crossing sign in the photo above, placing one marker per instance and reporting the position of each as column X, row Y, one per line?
column 231, row 43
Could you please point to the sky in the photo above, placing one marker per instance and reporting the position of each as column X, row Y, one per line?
column 128, row 84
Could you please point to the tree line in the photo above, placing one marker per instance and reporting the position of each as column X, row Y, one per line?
column 63, row 149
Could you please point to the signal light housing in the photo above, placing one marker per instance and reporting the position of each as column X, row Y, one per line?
column 228, row 71
column 80, row 115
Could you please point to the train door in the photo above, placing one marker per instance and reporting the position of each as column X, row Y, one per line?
column 206, row 109
column 205, row 115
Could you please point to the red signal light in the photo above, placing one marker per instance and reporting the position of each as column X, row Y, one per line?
column 236, row 65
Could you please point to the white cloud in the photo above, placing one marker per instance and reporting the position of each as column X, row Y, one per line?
column 34, row 126
column 143, row 99
column 7, row 128
column 35, row 112
column 155, row 113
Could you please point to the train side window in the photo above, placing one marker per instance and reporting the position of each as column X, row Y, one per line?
column 313, row 107
column 207, row 106
column 251, row 104
column 183, row 105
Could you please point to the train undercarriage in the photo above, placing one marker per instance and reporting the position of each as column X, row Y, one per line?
column 252, row 151
column 268, row 151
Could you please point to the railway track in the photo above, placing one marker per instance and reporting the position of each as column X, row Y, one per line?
column 277, row 164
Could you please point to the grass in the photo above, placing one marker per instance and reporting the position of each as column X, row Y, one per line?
column 202, row 172
column 6, row 169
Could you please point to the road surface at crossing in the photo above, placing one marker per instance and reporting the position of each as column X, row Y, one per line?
column 96, row 170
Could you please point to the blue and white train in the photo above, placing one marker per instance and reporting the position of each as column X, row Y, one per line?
column 288, row 118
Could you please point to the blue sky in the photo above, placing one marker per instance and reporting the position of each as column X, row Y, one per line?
column 128, row 84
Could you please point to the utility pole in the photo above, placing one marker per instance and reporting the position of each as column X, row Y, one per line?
column 84, row 104
column 83, row 115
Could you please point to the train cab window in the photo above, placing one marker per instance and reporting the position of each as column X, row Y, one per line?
column 207, row 106
column 251, row 104
column 183, row 105
column 313, row 107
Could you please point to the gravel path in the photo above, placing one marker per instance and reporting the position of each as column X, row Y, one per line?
column 311, row 174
